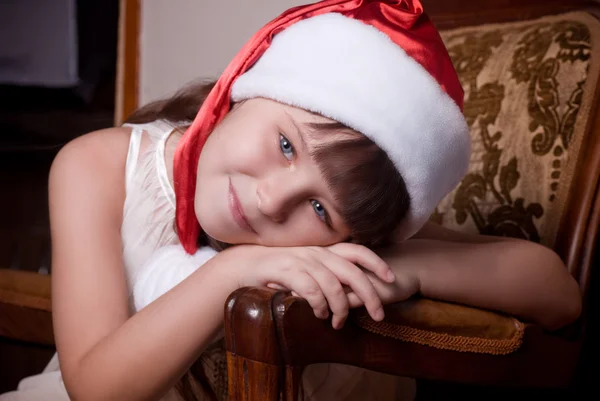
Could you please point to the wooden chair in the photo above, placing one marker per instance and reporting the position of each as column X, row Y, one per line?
column 512, row 109
column 26, row 336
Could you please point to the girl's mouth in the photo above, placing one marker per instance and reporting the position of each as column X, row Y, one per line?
column 236, row 210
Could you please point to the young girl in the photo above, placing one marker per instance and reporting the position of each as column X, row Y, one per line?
column 334, row 132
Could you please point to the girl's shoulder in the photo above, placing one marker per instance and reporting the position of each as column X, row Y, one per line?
column 93, row 160
column 103, row 148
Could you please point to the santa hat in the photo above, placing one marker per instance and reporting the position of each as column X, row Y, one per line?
column 379, row 67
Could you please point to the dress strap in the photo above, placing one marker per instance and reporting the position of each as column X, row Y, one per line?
column 133, row 153
column 158, row 132
column 161, row 168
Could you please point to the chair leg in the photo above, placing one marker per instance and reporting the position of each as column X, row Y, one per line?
column 293, row 380
column 252, row 381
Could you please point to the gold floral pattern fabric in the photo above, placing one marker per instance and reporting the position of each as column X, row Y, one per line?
column 528, row 90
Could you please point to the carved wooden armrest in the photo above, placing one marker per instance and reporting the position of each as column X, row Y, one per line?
column 419, row 338
column 25, row 307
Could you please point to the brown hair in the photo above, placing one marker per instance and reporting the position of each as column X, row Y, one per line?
column 371, row 193
column 182, row 106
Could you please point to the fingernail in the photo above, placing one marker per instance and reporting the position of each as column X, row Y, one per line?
column 391, row 276
column 379, row 315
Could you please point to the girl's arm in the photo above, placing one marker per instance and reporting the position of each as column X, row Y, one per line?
column 105, row 354
column 435, row 231
column 517, row 277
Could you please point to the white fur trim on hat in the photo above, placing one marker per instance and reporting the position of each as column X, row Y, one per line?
column 351, row 72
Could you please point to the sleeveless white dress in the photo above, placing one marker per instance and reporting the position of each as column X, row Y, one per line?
column 149, row 225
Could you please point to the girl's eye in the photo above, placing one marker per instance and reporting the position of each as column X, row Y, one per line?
column 286, row 147
column 319, row 209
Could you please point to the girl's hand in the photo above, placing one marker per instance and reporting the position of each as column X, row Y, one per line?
column 317, row 274
column 405, row 286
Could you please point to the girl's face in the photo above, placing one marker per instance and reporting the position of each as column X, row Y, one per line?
column 257, row 183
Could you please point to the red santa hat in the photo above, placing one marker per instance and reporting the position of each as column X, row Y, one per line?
column 379, row 67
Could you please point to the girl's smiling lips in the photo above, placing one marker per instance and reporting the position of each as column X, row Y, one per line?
column 236, row 210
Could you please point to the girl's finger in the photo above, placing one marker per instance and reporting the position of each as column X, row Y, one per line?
column 337, row 321
column 364, row 257
column 400, row 290
column 354, row 301
column 332, row 290
column 290, row 273
column 278, row 287
column 305, row 286
column 347, row 273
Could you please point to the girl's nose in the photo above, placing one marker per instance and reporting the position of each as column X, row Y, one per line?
column 278, row 193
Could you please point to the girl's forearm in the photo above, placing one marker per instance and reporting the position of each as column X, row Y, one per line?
column 146, row 356
column 520, row 278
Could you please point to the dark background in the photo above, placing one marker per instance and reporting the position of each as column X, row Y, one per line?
column 34, row 124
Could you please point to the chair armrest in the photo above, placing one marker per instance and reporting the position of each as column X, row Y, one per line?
column 25, row 307
column 420, row 338
column 446, row 326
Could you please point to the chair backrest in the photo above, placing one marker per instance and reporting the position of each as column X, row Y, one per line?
column 531, row 101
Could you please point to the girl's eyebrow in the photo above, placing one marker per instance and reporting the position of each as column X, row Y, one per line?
column 299, row 132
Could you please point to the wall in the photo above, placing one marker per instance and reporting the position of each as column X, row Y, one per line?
column 38, row 43
column 184, row 40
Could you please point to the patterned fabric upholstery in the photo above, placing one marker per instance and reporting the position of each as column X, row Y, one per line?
column 528, row 90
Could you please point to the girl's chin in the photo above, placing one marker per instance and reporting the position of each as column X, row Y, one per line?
column 232, row 238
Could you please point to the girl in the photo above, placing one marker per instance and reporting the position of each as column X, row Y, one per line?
column 337, row 126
